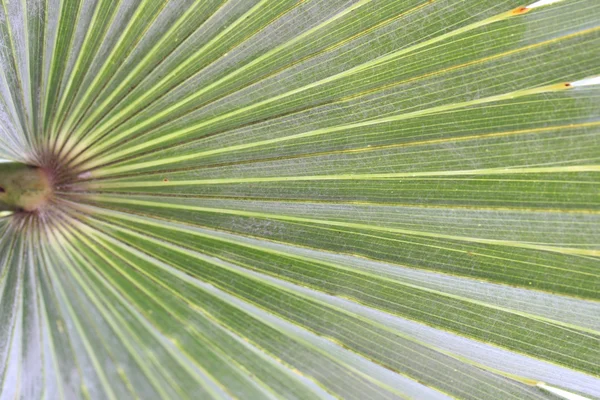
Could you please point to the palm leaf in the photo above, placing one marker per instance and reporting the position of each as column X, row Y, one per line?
column 301, row 199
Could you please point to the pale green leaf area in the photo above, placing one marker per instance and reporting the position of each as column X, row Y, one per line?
column 300, row 199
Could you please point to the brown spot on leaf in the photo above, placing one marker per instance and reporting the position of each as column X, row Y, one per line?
column 519, row 10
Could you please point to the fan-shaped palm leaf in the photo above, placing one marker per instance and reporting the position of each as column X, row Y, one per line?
column 300, row 199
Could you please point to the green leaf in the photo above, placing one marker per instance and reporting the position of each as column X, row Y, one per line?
column 300, row 199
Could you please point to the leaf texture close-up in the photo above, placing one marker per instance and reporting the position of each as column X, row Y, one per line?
column 299, row 199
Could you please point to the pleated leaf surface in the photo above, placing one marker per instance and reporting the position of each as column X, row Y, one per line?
column 302, row 199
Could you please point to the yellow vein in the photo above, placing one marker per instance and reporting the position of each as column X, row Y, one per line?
column 177, row 71
column 317, row 132
column 84, row 144
column 351, row 71
column 526, row 245
column 373, row 148
column 59, row 290
column 193, row 232
column 293, row 41
column 311, row 178
column 277, row 286
column 61, row 112
column 139, row 10
column 120, row 323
